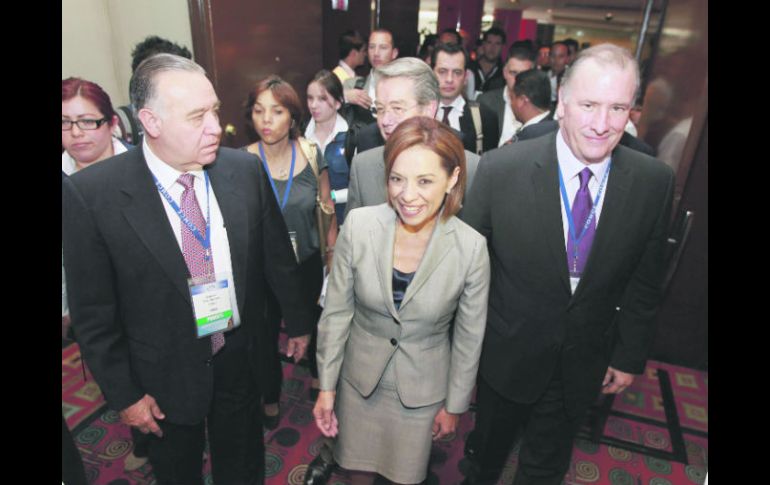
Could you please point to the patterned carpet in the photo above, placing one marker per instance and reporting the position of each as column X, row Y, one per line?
column 656, row 433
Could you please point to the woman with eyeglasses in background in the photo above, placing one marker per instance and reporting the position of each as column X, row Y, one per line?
column 87, row 121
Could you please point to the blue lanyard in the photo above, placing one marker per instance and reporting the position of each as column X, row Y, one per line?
column 571, row 222
column 205, row 241
column 270, row 176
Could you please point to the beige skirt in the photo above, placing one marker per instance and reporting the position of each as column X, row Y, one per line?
column 379, row 434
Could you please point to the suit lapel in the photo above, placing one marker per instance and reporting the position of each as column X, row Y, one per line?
column 548, row 202
column 235, row 215
column 615, row 199
column 438, row 246
column 466, row 125
column 381, row 241
column 501, row 111
column 144, row 211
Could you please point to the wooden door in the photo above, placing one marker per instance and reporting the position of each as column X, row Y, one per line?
column 241, row 41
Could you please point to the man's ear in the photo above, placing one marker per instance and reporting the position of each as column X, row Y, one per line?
column 430, row 109
column 151, row 122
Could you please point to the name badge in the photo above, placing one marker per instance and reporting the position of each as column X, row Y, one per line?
column 213, row 303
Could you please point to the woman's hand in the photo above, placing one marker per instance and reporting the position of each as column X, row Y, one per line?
column 445, row 424
column 323, row 411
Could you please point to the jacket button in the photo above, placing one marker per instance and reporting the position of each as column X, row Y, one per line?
column 209, row 361
column 393, row 341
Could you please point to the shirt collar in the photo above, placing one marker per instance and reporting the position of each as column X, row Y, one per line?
column 535, row 119
column 347, row 68
column 569, row 164
column 165, row 173
column 69, row 166
column 340, row 125
column 458, row 104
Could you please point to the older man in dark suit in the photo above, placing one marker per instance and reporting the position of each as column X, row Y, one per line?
column 576, row 227
column 167, row 249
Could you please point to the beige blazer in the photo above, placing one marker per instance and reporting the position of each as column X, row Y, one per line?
column 360, row 329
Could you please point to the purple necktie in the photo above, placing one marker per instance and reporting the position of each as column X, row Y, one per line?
column 194, row 254
column 445, row 119
column 581, row 208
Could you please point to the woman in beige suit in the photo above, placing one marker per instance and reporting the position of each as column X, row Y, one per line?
column 403, row 274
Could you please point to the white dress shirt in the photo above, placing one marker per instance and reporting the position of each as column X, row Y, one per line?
column 220, row 245
column 347, row 68
column 510, row 123
column 371, row 81
column 340, row 125
column 69, row 166
column 552, row 79
column 458, row 105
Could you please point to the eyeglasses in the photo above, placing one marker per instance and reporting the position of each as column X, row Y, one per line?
column 83, row 124
column 397, row 111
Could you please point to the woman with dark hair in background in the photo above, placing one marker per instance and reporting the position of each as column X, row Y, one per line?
column 328, row 129
column 274, row 110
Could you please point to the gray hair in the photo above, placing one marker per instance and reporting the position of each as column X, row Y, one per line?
column 142, row 86
column 604, row 55
column 426, row 87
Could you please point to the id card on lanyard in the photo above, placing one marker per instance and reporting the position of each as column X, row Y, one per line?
column 212, row 304
column 282, row 203
column 572, row 232
column 212, row 296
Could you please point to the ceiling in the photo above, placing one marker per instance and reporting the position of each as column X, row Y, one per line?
column 622, row 14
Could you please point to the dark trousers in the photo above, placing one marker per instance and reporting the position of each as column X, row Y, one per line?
column 141, row 442
column 311, row 273
column 546, row 430
column 234, row 426
column 72, row 471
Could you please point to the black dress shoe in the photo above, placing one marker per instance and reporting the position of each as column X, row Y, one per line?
column 470, row 446
column 318, row 471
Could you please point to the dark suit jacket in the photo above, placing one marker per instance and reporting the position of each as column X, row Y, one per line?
column 489, row 129
column 127, row 279
column 493, row 100
column 369, row 137
column 548, row 126
column 495, row 81
column 534, row 322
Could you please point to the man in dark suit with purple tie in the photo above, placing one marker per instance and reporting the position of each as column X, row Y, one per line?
column 576, row 226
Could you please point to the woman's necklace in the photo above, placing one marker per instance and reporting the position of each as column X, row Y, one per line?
column 280, row 169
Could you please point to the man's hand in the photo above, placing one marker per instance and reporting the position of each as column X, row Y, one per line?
column 323, row 412
column 142, row 415
column 359, row 97
column 297, row 346
column 445, row 424
column 616, row 381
